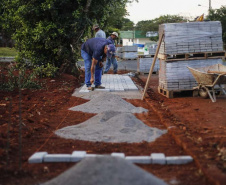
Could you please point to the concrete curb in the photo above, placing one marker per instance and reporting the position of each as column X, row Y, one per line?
column 76, row 156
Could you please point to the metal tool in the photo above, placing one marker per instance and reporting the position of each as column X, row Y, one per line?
column 92, row 86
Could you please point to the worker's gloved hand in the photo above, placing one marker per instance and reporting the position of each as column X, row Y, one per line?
column 101, row 64
column 91, row 80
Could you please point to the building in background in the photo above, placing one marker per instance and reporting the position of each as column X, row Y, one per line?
column 129, row 38
column 143, row 42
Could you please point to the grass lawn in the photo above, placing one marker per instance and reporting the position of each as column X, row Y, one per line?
column 7, row 52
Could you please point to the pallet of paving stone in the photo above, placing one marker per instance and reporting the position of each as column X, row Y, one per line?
column 118, row 49
column 129, row 55
column 191, row 37
column 193, row 56
column 119, row 55
column 129, row 49
column 144, row 65
column 152, row 49
column 174, row 76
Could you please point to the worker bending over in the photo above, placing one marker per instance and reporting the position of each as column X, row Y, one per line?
column 94, row 51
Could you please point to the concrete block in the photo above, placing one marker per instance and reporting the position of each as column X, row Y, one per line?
column 77, row 156
column 103, row 90
column 139, row 159
column 57, row 158
column 93, row 155
column 158, row 158
column 37, row 157
column 122, row 155
column 179, row 160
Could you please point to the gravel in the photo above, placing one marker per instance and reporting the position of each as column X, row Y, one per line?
column 105, row 170
column 107, row 102
column 111, row 127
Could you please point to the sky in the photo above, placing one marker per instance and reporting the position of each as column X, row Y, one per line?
column 151, row 9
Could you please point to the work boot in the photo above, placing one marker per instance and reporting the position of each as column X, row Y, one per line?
column 99, row 87
column 89, row 88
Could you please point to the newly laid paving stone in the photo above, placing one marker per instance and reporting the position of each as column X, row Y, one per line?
column 57, row 158
column 37, row 157
column 105, row 171
column 179, row 160
column 107, row 102
column 77, row 156
column 114, row 154
column 139, row 159
column 111, row 127
column 114, row 83
column 158, row 158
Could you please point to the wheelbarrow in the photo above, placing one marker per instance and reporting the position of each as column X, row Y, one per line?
column 207, row 78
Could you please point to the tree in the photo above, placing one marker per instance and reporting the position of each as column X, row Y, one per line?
column 219, row 15
column 50, row 31
column 153, row 25
column 127, row 24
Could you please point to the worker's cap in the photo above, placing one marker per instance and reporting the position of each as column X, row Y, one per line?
column 114, row 33
column 95, row 26
column 111, row 50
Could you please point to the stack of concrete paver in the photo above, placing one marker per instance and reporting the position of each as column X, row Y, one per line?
column 144, row 65
column 187, row 38
column 152, row 49
column 176, row 76
column 118, row 52
column 191, row 37
column 129, row 52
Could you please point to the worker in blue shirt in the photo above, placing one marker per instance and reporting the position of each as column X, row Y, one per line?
column 112, row 60
column 94, row 51
column 99, row 33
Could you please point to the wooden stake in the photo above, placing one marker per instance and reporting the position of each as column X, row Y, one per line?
column 152, row 66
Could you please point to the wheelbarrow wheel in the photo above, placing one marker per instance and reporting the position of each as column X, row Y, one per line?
column 203, row 93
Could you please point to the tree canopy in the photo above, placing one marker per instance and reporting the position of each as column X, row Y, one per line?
column 50, row 31
column 219, row 15
column 153, row 25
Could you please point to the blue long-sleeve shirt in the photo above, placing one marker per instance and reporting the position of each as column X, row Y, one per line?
column 100, row 34
column 95, row 47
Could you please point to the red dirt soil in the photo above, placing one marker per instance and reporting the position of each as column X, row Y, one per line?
column 46, row 110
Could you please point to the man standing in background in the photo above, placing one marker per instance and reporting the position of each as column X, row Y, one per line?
column 99, row 33
column 112, row 60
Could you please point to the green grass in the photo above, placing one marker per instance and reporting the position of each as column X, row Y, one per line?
column 7, row 52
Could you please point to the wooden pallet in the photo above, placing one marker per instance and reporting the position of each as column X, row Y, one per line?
column 130, row 59
column 171, row 93
column 192, row 56
column 146, row 73
column 145, row 56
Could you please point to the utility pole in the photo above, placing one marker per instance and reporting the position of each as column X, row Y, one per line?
column 210, row 5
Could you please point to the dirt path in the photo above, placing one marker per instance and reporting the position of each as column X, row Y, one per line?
column 46, row 110
column 198, row 125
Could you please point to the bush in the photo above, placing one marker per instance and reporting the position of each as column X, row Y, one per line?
column 18, row 78
column 48, row 71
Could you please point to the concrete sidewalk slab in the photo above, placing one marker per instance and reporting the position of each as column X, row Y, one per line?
column 121, row 85
column 114, row 82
